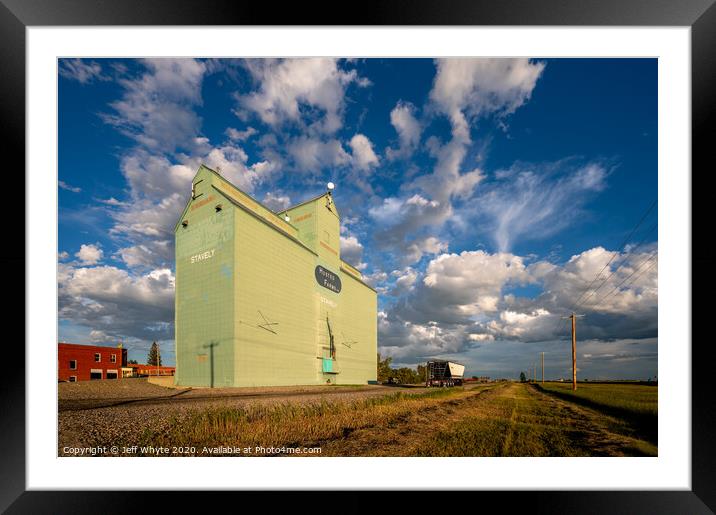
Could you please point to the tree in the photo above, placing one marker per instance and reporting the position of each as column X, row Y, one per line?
column 422, row 374
column 384, row 370
column 132, row 362
column 406, row 375
column 523, row 377
column 154, row 358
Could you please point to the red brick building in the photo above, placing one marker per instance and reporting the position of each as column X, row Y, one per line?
column 84, row 362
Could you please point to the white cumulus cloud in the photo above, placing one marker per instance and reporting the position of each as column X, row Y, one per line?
column 313, row 154
column 403, row 119
column 285, row 85
column 351, row 249
column 89, row 254
column 157, row 108
column 364, row 157
column 114, row 303
column 472, row 87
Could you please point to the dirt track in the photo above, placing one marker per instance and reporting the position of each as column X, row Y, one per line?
column 583, row 431
column 407, row 435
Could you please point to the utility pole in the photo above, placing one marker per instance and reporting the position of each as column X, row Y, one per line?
column 574, row 352
column 573, row 317
column 542, row 368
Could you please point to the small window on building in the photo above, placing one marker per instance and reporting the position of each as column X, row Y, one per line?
column 113, row 358
column 185, row 223
column 219, row 207
column 73, row 364
column 97, row 357
column 73, row 379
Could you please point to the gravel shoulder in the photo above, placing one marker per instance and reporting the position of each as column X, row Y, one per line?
column 105, row 394
column 110, row 389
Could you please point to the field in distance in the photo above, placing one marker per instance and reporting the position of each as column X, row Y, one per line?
column 495, row 419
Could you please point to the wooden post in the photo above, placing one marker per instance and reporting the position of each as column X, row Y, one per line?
column 543, row 369
column 574, row 351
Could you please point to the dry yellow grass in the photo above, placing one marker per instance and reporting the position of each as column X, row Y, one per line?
column 293, row 424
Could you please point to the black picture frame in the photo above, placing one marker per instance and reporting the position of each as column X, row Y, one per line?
column 699, row 15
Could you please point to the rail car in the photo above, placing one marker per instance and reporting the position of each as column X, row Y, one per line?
column 444, row 373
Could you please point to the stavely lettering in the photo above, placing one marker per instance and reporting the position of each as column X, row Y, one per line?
column 204, row 255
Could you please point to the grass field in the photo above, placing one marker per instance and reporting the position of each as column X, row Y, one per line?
column 635, row 399
column 502, row 419
column 635, row 403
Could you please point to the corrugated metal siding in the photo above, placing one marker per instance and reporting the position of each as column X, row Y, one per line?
column 261, row 302
column 204, row 336
column 271, row 288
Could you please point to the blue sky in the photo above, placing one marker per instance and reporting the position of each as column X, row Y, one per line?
column 480, row 197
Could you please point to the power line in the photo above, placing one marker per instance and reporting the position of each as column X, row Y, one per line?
column 557, row 324
column 651, row 258
column 616, row 288
column 616, row 253
column 619, row 266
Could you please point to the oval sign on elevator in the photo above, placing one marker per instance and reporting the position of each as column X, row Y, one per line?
column 328, row 279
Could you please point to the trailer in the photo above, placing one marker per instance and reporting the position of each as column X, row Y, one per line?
column 444, row 373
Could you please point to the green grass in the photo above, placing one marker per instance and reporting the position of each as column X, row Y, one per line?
column 634, row 399
column 516, row 422
column 510, row 424
column 636, row 404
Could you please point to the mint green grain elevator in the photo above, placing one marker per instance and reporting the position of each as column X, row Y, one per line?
column 264, row 298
